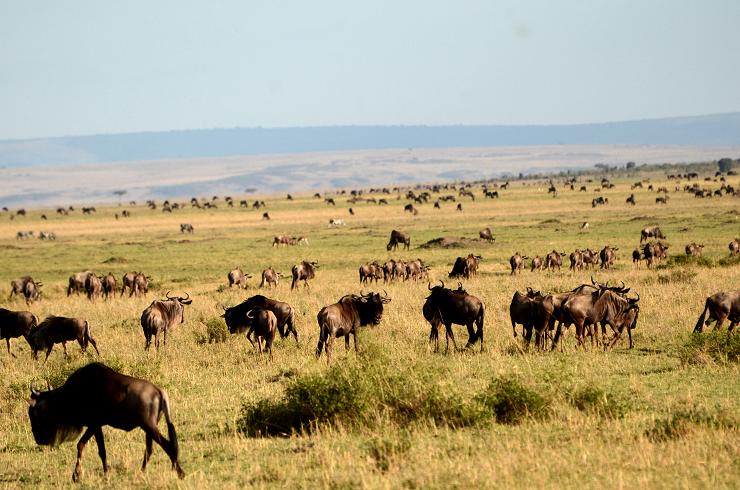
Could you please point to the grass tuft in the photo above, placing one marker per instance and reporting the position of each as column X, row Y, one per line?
column 595, row 400
column 684, row 421
column 710, row 347
column 510, row 402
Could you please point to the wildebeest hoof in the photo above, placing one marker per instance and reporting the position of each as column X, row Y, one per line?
column 77, row 475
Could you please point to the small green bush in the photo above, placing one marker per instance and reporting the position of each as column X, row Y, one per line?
column 728, row 261
column 678, row 276
column 510, row 402
column 720, row 346
column 683, row 421
column 385, row 451
column 595, row 400
column 682, row 260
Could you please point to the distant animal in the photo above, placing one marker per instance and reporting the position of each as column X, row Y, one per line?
column 303, row 272
column 631, row 200
column 459, row 207
column 351, row 211
column 694, row 249
column 109, row 286
column 283, row 240
column 721, row 306
column 76, row 283
column 585, row 226
column 93, row 287
column 162, row 315
column 336, row 222
column 607, row 256
column 47, row 235
column 266, row 216
column 576, row 260
column 370, row 272
column 554, row 260
column 187, row 227
column 734, row 247
column 18, row 286
column 662, row 200
column 396, row 238
column 465, row 266
column 24, row 235
column 60, row 330
column 487, row 235
column 302, row 240
column 14, row 324
column 238, row 278
column 330, row 201
column 95, row 396
column 238, row 322
column 636, row 256
column 537, row 263
column 651, row 231
column 449, row 307
column 263, row 324
column 517, row 263
column 141, row 284
column 270, row 277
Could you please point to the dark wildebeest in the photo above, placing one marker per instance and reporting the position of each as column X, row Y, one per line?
column 651, row 231
column 694, row 249
column 187, row 227
column 262, row 324
column 465, row 266
column 266, row 216
column 720, row 306
column 536, row 263
column 128, row 282
column 576, row 260
column 237, row 321
column 162, row 315
column 409, row 208
column 344, row 318
column 23, row 235
column 607, row 256
column 517, row 263
column 487, row 235
column 662, row 200
column 238, row 278
column 398, row 237
column 93, row 287
column 32, row 291
column 109, row 286
column 734, row 247
column 59, row 329
column 522, row 309
column 446, row 307
column 141, row 284
column 270, row 277
column 636, row 256
column 283, row 240
column 389, row 269
column 370, row 272
column 631, row 199
column 77, row 282
column 95, row 396
column 14, row 324
column 554, row 260
column 654, row 252
column 303, row 272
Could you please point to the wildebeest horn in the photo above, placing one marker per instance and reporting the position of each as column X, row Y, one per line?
column 634, row 300
column 429, row 286
column 443, row 283
column 459, row 285
column 167, row 295
column 247, row 314
column 593, row 281
column 186, row 300
column 385, row 293
column 34, row 392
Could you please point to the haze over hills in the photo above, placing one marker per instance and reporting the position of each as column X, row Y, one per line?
column 721, row 129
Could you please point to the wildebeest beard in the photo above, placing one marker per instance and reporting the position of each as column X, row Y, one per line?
column 371, row 310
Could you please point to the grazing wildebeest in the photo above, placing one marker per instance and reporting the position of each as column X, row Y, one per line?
column 89, row 210
column 662, row 200
column 109, row 286
column 93, row 287
column 554, row 260
column 59, row 329
column 651, row 231
column 238, row 278
column 31, row 291
column 23, row 235
column 336, row 222
column 601, row 200
column 459, row 207
column 522, row 309
column 409, row 208
column 734, row 246
column 398, row 237
column 303, row 272
column 536, row 263
column 370, row 272
column 517, row 263
column 487, row 235
column 607, row 256
column 636, row 256
column 47, row 235
column 162, row 315
column 720, row 306
column 446, row 307
column 694, row 249
column 95, row 396
column 283, row 240
column 631, row 199
column 465, row 266
column 14, row 324
column 344, row 318
column 262, row 324
column 576, row 260
column 330, row 201
column 237, row 321
column 270, row 277
column 18, row 286
column 77, row 282
column 186, row 227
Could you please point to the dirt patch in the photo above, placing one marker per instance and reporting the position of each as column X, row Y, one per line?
column 451, row 242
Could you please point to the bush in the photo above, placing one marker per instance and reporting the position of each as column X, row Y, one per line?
column 682, row 422
column 678, row 276
column 728, row 261
column 595, row 400
column 683, row 260
column 720, row 346
column 510, row 402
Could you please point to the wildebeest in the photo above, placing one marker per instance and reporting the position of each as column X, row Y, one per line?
column 59, row 329
column 662, row 200
column 128, row 282
column 636, row 256
column 523, row 309
column 283, row 240
column 30, row 289
column 344, row 318
column 576, row 260
column 389, row 271
column 607, row 256
column 238, row 278
column 266, row 216
column 109, row 286
column 17, row 286
column 450, row 307
column 336, row 222
column 237, row 321
column 590, row 258
column 330, row 201
column 654, row 252
column 601, row 200
column 162, row 315
column 720, row 306
column 141, row 284
column 554, row 260
column 734, row 246
column 416, row 270
column 47, row 235
column 631, row 199
column 270, row 277
column 517, row 263
column 89, row 210
column 465, row 266
column 536, row 263
column 651, row 231
column 487, row 235
column 187, row 227
column 14, row 324
column 95, row 396
column 398, row 237
column 694, row 249
column 24, row 235
column 77, row 281
column 303, row 272
column 370, row 272
column 262, row 324
column 93, row 287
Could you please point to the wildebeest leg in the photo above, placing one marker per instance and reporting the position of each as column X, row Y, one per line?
column 434, row 336
column 101, row 448
column 7, row 341
column 249, row 337
column 168, row 446
column 148, row 342
column 327, row 347
column 556, row 339
column 629, row 334
column 64, row 346
column 77, row 473
column 450, row 335
column 471, row 335
column 156, row 342
column 617, row 334
column 354, row 339
column 720, row 320
column 346, row 343
column 147, row 451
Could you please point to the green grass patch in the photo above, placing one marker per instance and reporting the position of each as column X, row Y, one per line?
column 702, row 348
column 684, row 421
column 593, row 399
column 511, row 402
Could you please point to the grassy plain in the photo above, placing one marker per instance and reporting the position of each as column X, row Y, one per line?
column 208, row 383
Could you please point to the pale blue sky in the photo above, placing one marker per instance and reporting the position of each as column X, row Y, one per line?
column 81, row 67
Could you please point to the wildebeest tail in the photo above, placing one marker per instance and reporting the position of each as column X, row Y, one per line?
column 322, row 339
column 171, row 434
column 700, row 324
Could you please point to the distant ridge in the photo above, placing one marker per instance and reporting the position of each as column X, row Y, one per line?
column 719, row 129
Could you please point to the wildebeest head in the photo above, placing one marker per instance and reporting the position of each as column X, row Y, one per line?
column 370, row 307
column 179, row 303
column 46, row 429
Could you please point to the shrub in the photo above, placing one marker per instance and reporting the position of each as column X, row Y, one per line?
column 510, row 402
column 720, row 346
column 728, row 261
column 682, row 260
column 385, row 450
column 679, row 276
column 595, row 400
column 684, row 420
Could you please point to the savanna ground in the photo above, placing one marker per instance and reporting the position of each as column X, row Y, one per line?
column 663, row 414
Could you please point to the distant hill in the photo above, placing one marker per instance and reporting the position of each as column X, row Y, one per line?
column 721, row 129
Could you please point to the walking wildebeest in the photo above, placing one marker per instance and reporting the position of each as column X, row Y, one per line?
column 303, row 272
column 238, row 278
column 536, row 263
column 95, row 396
column 487, row 235
column 141, row 284
column 576, row 260
column 522, row 309
column 128, row 282
column 554, row 260
column 162, row 315
column 465, row 266
column 93, row 287
column 26, row 286
column 734, row 247
column 416, row 270
column 237, row 321
column 636, row 256
column 59, row 329
column 662, row 200
column 720, row 306
column 109, row 286
column 631, row 199
column 270, row 277
column 590, row 258
column 370, row 272
column 17, row 286
column 607, row 256
column 517, row 263
column 694, row 249
column 77, row 282
column 651, row 231
column 283, row 240
column 336, row 222
column 14, row 324
column 262, row 324
column 344, row 318
column 187, row 227
column 446, row 307
column 398, row 237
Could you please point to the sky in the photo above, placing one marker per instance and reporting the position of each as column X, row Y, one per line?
column 94, row 67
